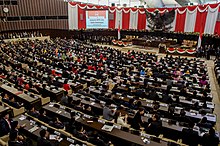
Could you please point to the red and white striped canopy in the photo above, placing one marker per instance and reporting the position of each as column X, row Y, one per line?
column 201, row 18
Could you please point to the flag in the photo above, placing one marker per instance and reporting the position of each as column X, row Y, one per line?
column 199, row 40
column 119, row 34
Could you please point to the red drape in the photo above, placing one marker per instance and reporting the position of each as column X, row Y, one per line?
column 141, row 21
column 180, row 21
column 81, row 18
column 112, row 21
column 217, row 26
column 125, row 19
column 200, row 20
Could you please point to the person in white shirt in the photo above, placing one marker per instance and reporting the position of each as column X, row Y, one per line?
column 121, row 120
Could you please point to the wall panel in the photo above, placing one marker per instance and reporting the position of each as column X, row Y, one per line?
column 35, row 8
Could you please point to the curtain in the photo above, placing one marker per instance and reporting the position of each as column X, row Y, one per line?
column 73, row 16
column 180, row 20
column 133, row 20
column 190, row 20
column 200, row 20
column 112, row 20
column 125, row 18
column 217, row 25
column 118, row 19
column 211, row 20
column 141, row 21
column 81, row 18
column 173, row 24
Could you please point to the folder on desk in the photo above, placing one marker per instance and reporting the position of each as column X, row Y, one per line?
column 107, row 128
column 33, row 129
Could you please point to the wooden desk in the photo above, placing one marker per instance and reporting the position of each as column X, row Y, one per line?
column 115, row 133
column 36, row 134
column 20, row 96
column 5, row 109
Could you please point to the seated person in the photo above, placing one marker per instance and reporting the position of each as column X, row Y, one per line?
column 205, row 109
column 210, row 139
column 171, row 112
column 57, row 83
column 108, row 113
column 183, row 91
column 153, row 95
column 5, row 97
column 204, row 123
column 196, row 106
column 44, row 91
column 32, row 112
column 130, row 104
column 66, row 86
column 98, row 139
column 88, row 110
column 203, row 81
column 43, row 117
column 78, row 105
column 14, row 140
column 155, row 109
column 20, row 80
column 183, row 119
column 64, row 99
column 80, row 133
column 155, row 125
column 119, row 119
column 13, row 103
column 190, row 136
column 166, row 98
column 137, row 122
column 56, row 123
column 43, row 140
column 5, row 124
column 15, row 127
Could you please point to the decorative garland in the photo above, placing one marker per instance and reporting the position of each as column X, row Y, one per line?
column 181, row 51
column 181, row 10
column 121, row 43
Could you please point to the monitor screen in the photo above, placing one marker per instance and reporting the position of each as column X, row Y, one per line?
column 96, row 19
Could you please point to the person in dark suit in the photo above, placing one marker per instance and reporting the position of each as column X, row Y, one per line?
column 5, row 97
column 155, row 125
column 182, row 118
column 15, row 127
column 56, row 123
column 13, row 103
column 32, row 112
column 189, row 136
column 166, row 98
column 153, row 95
column 43, row 117
column 204, row 123
column 5, row 124
column 43, row 140
column 14, row 140
column 44, row 91
column 80, row 133
column 137, row 122
column 210, row 139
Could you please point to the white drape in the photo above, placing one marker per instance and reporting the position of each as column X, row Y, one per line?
column 173, row 24
column 147, row 23
column 190, row 20
column 133, row 20
column 118, row 18
column 211, row 20
column 73, row 16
